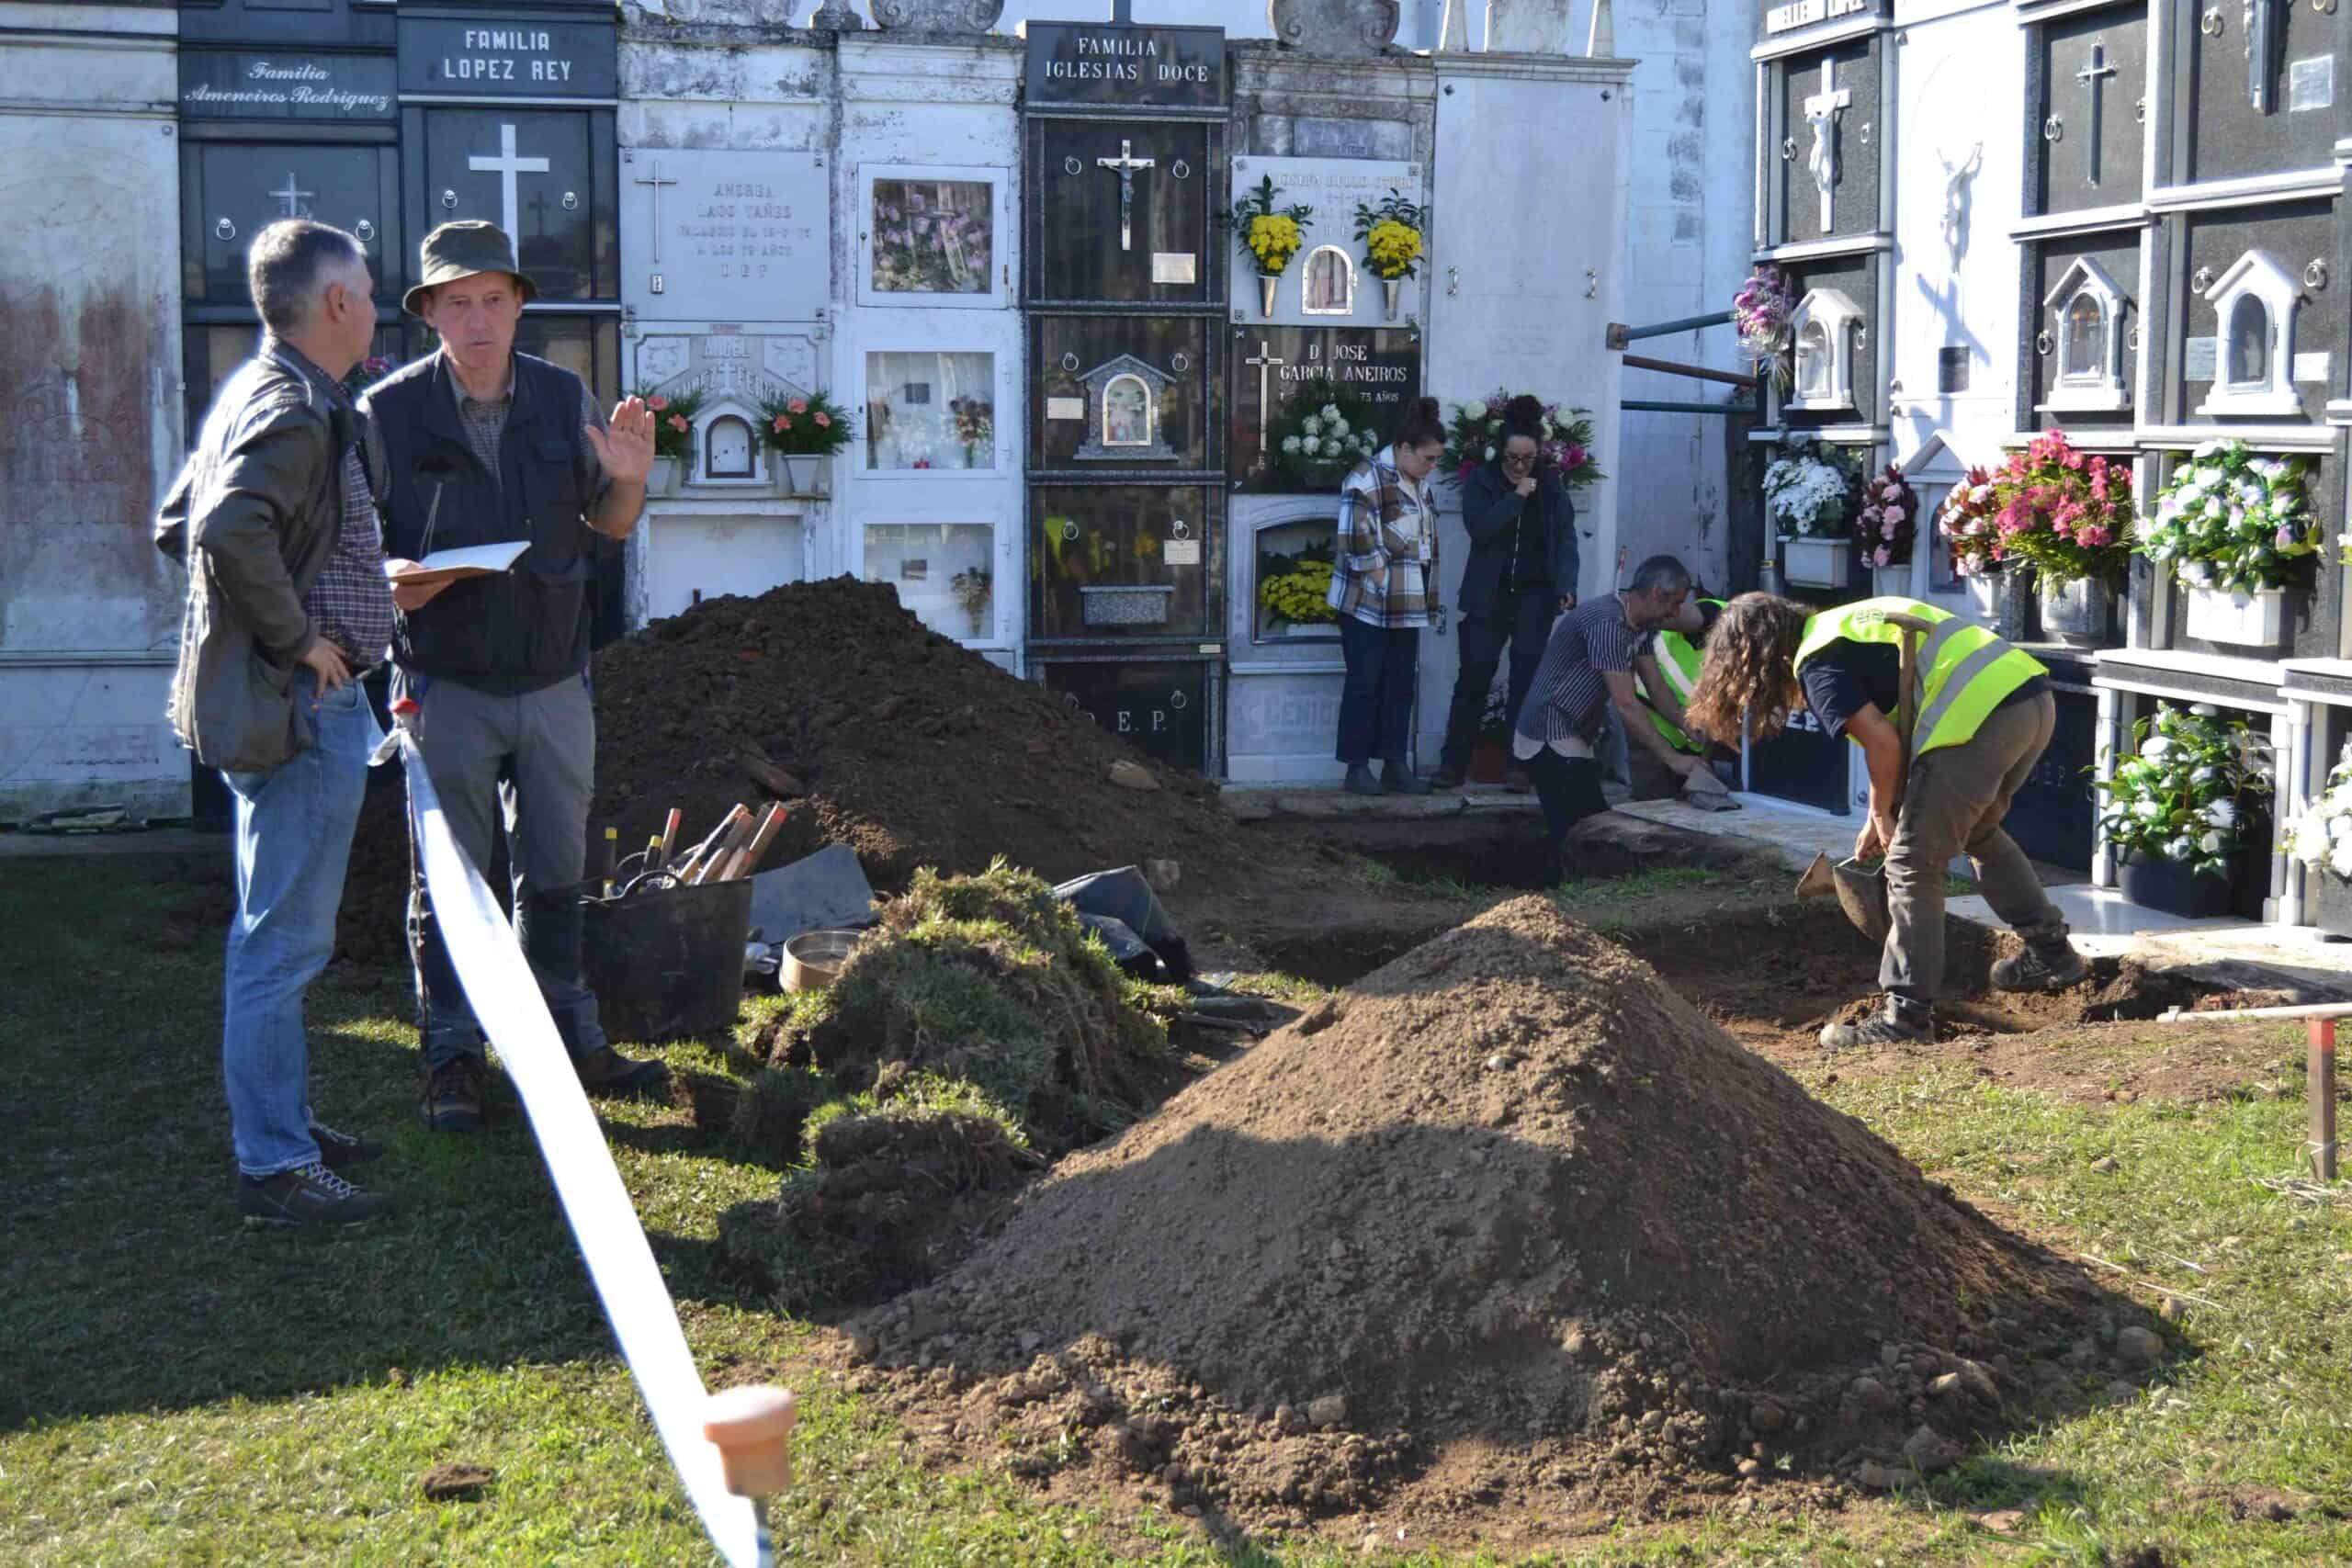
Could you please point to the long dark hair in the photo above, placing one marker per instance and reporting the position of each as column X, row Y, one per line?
column 1749, row 671
column 1420, row 425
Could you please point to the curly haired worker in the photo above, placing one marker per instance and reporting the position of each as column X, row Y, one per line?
column 1984, row 715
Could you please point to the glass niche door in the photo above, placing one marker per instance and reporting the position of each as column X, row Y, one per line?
column 931, row 412
column 949, row 572
column 1122, row 562
column 934, row 235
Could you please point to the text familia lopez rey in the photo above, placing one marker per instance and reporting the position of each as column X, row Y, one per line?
column 449, row 56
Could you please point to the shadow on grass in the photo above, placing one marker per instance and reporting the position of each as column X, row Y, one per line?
column 132, row 1284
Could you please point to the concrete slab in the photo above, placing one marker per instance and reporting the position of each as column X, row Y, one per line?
column 140, row 841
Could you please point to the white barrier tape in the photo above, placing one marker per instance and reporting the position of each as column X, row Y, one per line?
column 506, row 1002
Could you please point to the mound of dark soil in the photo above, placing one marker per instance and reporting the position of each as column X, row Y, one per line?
column 1507, row 1218
column 879, row 734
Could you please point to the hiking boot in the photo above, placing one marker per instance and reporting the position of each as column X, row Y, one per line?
column 1901, row 1023
column 1395, row 778
column 607, row 1071
column 2044, row 963
column 307, row 1195
column 1449, row 777
column 452, row 1102
column 341, row 1151
column 1360, row 780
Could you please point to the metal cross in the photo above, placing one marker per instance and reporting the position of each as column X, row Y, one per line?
column 1125, row 166
column 291, row 197
column 1265, row 360
column 2261, row 20
column 657, row 182
column 1821, row 113
column 506, row 165
column 2094, row 70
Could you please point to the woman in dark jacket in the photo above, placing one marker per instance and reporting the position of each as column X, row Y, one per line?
column 1521, row 573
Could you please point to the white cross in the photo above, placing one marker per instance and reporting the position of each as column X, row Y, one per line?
column 1821, row 113
column 2093, row 70
column 1265, row 360
column 657, row 182
column 291, row 197
column 1125, row 165
column 506, row 165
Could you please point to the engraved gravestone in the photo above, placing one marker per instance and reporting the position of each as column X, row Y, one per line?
column 728, row 235
column 1327, row 283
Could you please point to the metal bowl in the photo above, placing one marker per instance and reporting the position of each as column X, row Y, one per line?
column 813, row 959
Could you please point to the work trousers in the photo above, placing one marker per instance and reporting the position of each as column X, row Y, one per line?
column 1520, row 624
column 1954, row 804
column 294, row 826
column 1376, row 701
column 1569, row 790
column 526, row 762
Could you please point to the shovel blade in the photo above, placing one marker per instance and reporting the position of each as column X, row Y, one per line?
column 1819, row 880
column 1862, row 895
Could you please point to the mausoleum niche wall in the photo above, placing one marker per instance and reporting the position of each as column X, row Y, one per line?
column 2088, row 141
column 2084, row 333
column 2261, row 87
column 2276, row 271
column 1830, row 142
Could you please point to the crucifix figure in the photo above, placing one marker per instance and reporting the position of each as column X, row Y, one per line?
column 1821, row 114
column 2094, row 70
column 293, row 197
column 1956, row 178
column 1125, row 165
column 657, row 182
column 2261, row 20
column 1265, row 361
column 506, row 165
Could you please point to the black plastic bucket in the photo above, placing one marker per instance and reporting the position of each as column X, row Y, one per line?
column 671, row 963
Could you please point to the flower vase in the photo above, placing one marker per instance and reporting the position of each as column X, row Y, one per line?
column 1812, row 561
column 2241, row 620
column 801, row 473
column 1268, row 284
column 663, row 480
column 1891, row 581
column 2328, row 901
column 2076, row 613
column 1394, row 289
column 1985, row 595
column 975, row 618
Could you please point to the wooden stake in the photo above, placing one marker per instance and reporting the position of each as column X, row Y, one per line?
column 2319, row 1087
column 751, row 1428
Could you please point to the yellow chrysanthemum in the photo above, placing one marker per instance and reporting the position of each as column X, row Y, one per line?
column 1394, row 247
column 1274, row 239
column 1298, row 595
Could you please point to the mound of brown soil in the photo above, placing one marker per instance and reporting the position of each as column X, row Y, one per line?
column 878, row 732
column 1508, row 1215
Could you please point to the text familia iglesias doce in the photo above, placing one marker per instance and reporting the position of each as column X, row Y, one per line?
column 1108, row 57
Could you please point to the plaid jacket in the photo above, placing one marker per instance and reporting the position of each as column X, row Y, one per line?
column 1387, row 555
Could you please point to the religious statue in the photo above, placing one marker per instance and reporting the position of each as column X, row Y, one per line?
column 1821, row 113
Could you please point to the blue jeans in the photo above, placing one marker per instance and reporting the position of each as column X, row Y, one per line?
column 294, row 827
column 1377, row 697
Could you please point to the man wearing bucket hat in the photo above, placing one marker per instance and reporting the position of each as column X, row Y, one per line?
column 478, row 444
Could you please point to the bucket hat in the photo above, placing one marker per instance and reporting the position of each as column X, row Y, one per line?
column 464, row 249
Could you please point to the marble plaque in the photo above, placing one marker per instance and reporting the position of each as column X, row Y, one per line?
column 1329, row 273
column 2312, row 366
column 2310, row 84
column 731, row 236
column 728, row 362
column 2198, row 355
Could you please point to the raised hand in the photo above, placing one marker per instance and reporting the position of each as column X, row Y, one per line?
column 625, row 451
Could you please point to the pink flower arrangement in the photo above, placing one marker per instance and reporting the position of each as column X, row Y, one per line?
column 1966, row 525
column 813, row 426
column 2064, row 511
column 1889, row 519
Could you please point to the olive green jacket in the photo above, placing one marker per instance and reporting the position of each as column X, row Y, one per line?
column 254, row 516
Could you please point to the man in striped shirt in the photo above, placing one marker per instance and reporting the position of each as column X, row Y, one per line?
column 1587, row 669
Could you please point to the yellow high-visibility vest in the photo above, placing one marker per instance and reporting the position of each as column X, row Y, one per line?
column 1965, row 672
column 1678, row 666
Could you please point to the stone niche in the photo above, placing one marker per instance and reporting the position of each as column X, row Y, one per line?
column 726, row 235
column 1838, row 296
column 2084, row 343
column 1828, row 109
column 90, row 428
column 2313, row 603
column 2089, row 150
column 1329, row 282
column 2278, row 352
column 2259, row 87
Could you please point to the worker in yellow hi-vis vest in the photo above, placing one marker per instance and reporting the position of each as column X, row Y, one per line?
column 1665, row 675
column 1982, row 715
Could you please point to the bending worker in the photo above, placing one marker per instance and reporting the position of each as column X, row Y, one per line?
column 1664, row 677
column 1983, row 716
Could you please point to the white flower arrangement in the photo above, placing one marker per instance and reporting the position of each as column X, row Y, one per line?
column 1811, row 490
column 2231, row 521
column 2320, row 834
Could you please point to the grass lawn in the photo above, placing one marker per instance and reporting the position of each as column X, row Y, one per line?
column 175, row 1389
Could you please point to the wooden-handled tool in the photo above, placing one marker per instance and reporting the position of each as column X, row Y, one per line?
column 685, row 869
column 669, row 839
column 751, row 1428
column 747, row 860
column 714, row 864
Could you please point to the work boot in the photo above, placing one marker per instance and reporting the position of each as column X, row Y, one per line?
column 606, row 1071
column 1903, row 1022
column 452, row 1101
column 1395, row 778
column 1360, row 780
column 2048, row 962
column 1449, row 777
column 341, row 1151
column 307, row 1195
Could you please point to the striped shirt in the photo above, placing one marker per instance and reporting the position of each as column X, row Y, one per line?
column 350, row 603
column 1387, row 555
column 1569, row 699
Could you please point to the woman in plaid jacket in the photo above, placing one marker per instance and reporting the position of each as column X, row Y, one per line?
column 1381, row 586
